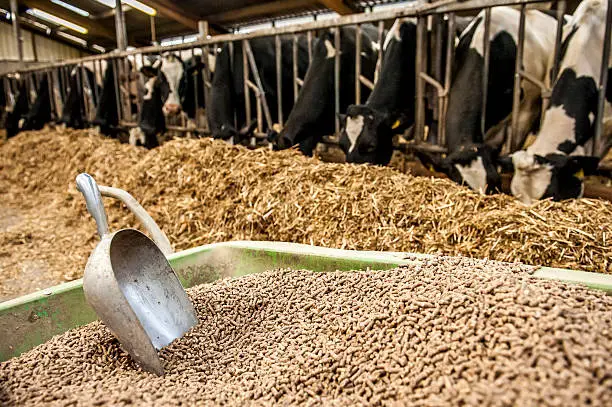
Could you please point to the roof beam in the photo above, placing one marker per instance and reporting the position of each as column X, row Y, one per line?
column 338, row 6
column 268, row 9
column 170, row 10
column 94, row 27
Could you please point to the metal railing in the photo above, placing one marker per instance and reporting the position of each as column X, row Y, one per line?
column 438, row 76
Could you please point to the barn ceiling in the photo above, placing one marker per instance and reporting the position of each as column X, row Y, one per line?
column 176, row 18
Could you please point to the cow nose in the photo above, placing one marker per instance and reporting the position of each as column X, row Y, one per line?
column 172, row 108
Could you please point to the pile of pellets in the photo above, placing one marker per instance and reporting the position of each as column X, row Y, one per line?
column 437, row 332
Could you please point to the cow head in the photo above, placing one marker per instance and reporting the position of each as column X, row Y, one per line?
column 367, row 135
column 556, row 176
column 473, row 165
column 172, row 67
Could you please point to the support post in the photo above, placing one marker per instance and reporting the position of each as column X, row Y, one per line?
column 17, row 31
column 120, row 29
column 153, row 31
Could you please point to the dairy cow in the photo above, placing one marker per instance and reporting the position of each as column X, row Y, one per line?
column 313, row 115
column 227, row 114
column 16, row 109
column 75, row 114
column 367, row 130
column 168, row 93
column 39, row 113
column 553, row 166
column 472, row 155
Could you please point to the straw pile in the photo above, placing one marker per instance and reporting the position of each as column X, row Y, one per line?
column 203, row 191
column 445, row 332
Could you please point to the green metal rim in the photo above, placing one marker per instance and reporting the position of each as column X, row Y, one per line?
column 34, row 318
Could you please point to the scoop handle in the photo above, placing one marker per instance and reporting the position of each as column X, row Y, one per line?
column 93, row 199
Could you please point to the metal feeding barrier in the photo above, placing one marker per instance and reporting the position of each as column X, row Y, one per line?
column 432, row 19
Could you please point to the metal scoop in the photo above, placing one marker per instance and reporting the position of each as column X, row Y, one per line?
column 130, row 284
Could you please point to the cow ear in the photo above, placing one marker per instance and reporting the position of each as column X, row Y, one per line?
column 584, row 165
column 505, row 163
column 342, row 117
column 432, row 161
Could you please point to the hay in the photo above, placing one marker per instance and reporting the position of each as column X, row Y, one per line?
column 203, row 191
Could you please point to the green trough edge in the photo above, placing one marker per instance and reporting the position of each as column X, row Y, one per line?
column 35, row 318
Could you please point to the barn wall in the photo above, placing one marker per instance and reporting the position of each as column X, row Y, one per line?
column 46, row 49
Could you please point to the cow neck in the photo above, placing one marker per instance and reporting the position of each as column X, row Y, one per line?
column 397, row 76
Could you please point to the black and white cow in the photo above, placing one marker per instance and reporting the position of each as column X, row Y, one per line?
column 472, row 155
column 313, row 115
column 227, row 91
column 367, row 130
column 168, row 93
column 553, row 166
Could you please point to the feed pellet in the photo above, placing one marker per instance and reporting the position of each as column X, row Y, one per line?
column 445, row 331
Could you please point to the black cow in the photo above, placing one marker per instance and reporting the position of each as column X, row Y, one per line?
column 17, row 111
column 107, row 111
column 227, row 91
column 74, row 114
column 313, row 115
column 40, row 112
column 553, row 166
column 472, row 155
column 367, row 130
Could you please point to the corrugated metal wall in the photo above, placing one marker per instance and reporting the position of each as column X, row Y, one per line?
column 46, row 48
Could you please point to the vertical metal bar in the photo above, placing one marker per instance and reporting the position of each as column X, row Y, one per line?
column 230, row 47
column 338, row 46
column 309, row 39
column 439, row 41
column 126, row 98
column 120, row 29
column 279, row 80
column 196, row 76
column 419, row 120
column 153, row 31
column 17, row 31
column 261, row 96
column 603, row 81
column 203, row 32
column 51, row 98
column 450, row 55
column 115, row 67
column 561, row 5
column 136, row 95
column 486, row 46
column 245, row 73
column 516, row 97
column 294, row 58
column 34, row 50
column 381, row 41
column 358, row 65
column 96, row 71
column 85, row 99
